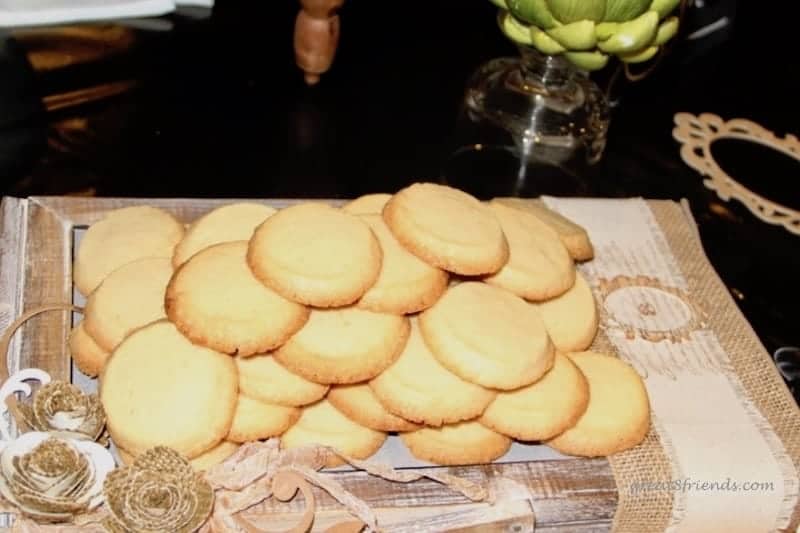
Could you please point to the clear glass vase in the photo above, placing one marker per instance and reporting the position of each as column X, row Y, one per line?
column 530, row 125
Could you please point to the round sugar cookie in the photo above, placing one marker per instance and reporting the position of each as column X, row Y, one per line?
column 130, row 297
column 487, row 336
column 158, row 388
column 344, row 345
column 322, row 424
column 255, row 420
column 316, row 255
column 618, row 414
column 418, row 388
column 447, row 228
column 465, row 443
column 544, row 409
column 571, row 319
column 86, row 354
column 233, row 222
column 369, row 204
column 215, row 300
column 359, row 403
column 124, row 235
column 406, row 283
column 262, row 378
column 202, row 462
column 539, row 266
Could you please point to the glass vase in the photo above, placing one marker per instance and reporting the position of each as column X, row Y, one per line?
column 530, row 125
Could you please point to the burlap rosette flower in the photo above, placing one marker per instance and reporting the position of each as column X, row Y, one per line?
column 158, row 492
column 52, row 478
column 64, row 408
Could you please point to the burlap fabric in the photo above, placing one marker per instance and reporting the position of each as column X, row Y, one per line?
column 750, row 361
column 721, row 411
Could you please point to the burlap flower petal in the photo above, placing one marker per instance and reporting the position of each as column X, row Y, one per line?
column 159, row 492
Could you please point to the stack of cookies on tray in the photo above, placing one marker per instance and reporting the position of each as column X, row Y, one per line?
column 459, row 325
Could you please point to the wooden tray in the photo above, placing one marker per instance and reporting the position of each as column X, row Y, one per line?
column 36, row 269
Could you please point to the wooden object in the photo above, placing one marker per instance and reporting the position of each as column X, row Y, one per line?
column 36, row 270
column 698, row 133
column 316, row 37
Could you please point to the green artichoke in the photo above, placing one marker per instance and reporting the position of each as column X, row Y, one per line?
column 588, row 32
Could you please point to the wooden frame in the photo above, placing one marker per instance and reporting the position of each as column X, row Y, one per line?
column 36, row 238
column 698, row 133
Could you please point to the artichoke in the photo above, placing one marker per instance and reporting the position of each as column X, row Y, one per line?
column 588, row 32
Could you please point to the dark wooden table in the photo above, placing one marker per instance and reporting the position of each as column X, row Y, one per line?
column 215, row 107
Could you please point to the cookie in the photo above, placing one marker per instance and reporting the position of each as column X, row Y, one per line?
column 359, row 403
column 369, row 204
column 316, row 255
column 204, row 461
column 465, row 443
column 233, row 222
column 542, row 410
column 158, row 388
column 262, row 378
column 406, row 283
column 130, row 297
column 487, row 336
column 447, row 228
column 618, row 414
column 539, row 266
column 322, row 424
column 215, row 300
column 571, row 319
column 344, row 345
column 574, row 236
column 123, row 236
column 86, row 354
column 418, row 388
column 255, row 420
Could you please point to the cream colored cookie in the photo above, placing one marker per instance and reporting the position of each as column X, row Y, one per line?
column 359, row 403
column 316, row 255
column 406, row 284
column 215, row 300
column 157, row 388
column 123, row 236
column 447, row 228
column 574, row 236
column 86, row 354
column 618, row 415
column 539, row 266
column 322, row 424
column 130, row 297
column 229, row 223
column 202, row 462
column 255, row 420
column 344, row 345
column 544, row 409
column 262, row 378
column 571, row 319
column 418, row 388
column 487, row 336
column 369, row 204
column 465, row 443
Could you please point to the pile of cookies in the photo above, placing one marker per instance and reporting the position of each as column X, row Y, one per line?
column 459, row 325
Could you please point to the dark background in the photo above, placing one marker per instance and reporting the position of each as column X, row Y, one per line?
column 220, row 110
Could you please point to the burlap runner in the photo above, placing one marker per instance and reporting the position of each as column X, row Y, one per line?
column 723, row 419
